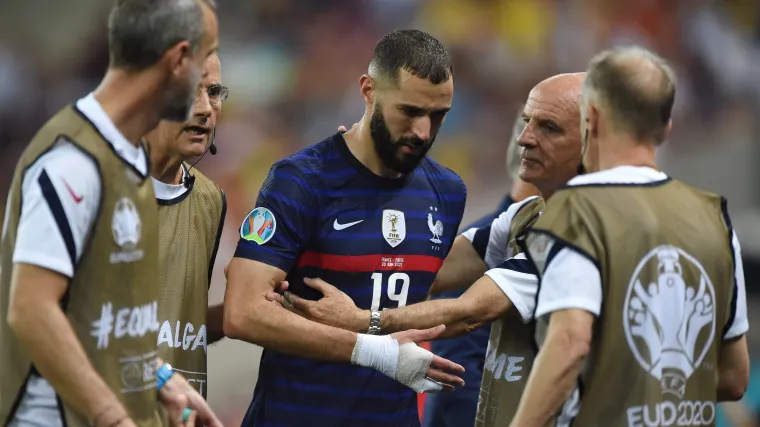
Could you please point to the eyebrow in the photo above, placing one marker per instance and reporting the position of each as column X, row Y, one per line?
column 415, row 107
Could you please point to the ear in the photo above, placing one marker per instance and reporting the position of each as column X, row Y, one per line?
column 367, row 87
column 592, row 119
column 668, row 128
column 178, row 56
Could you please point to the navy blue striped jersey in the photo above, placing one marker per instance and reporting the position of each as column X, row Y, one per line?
column 321, row 213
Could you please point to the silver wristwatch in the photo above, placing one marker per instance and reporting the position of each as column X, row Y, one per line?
column 374, row 323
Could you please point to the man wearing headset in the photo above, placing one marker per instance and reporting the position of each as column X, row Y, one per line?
column 190, row 219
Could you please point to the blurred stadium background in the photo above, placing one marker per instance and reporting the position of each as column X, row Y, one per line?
column 293, row 67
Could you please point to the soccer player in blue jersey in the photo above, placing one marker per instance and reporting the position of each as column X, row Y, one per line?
column 369, row 212
column 457, row 409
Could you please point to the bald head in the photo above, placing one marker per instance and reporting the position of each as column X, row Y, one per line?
column 567, row 88
column 551, row 141
column 634, row 89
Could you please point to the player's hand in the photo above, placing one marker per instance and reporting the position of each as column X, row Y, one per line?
column 399, row 357
column 440, row 370
column 177, row 394
column 335, row 308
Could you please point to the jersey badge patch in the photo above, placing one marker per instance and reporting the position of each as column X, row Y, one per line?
column 394, row 227
column 259, row 226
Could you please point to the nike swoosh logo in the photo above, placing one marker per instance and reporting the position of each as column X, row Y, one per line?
column 77, row 198
column 344, row 226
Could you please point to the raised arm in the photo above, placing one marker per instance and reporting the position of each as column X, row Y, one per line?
column 61, row 194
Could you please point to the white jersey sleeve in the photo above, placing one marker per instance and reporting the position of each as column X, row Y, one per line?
column 517, row 278
column 60, row 194
column 570, row 280
column 738, row 324
column 490, row 242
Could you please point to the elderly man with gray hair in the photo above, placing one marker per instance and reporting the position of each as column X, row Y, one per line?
column 457, row 409
column 642, row 314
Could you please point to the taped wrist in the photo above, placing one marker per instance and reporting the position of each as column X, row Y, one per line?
column 379, row 352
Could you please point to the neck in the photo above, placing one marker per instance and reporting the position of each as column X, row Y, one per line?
column 521, row 190
column 359, row 142
column 622, row 150
column 128, row 100
column 165, row 167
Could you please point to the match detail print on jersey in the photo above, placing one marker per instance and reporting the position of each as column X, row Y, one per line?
column 259, row 226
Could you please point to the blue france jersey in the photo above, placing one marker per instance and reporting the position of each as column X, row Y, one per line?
column 321, row 213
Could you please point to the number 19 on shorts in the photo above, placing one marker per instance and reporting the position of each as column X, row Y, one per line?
column 395, row 285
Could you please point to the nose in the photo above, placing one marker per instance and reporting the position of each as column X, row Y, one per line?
column 526, row 138
column 422, row 128
column 202, row 106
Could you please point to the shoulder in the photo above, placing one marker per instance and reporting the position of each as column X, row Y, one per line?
column 210, row 189
column 443, row 176
column 66, row 162
column 517, row 207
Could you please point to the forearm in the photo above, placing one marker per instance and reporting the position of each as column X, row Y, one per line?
column 428, row 314
column 551, row 382
column 461, row 268
column 215, row 323
column 269, row 325
column 57, row 354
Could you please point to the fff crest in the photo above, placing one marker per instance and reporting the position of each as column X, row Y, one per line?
column 669, row 316
column 394, row 227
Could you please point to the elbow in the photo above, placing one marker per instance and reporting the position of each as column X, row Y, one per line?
column 18, row 316
column 477, row 314
column 237, row 324
column 733, row 393
column 575, row 341
column 733, row 385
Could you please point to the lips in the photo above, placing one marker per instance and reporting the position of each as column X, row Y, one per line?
column 197, row 130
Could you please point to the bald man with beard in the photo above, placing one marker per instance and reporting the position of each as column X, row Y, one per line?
column 489, row 257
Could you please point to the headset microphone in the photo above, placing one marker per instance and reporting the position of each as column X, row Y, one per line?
column 189, row 180
column 212, row 146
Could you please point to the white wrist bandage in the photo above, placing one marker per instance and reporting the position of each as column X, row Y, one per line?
column 407, row 364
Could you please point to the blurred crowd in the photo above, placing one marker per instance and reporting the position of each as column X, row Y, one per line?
column 293, row 66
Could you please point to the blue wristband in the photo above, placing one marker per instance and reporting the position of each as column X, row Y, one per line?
column 163, row 374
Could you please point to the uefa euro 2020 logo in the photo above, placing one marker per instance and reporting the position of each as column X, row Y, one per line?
column 669, row 323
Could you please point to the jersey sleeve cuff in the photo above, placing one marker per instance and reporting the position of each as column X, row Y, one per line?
column 469, row 234
column 736, row 330
column 568, row 303
column 44, row 261
column 254, row 252
column 513, row 284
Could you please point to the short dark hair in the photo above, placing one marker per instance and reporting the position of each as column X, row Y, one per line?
column 141, row 31
column 637, row 88
column 415, row 51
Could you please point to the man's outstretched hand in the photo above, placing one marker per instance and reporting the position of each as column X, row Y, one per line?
column 335, row 308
